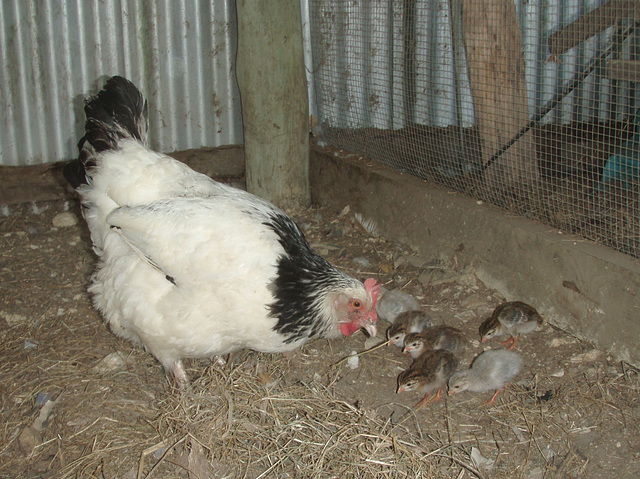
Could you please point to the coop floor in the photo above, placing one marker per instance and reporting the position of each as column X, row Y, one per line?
column 572, row 412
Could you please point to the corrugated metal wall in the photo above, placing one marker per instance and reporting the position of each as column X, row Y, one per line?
column 181, row 53
column 361, row 64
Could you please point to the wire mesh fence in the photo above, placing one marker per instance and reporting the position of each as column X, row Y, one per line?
column 531, row 105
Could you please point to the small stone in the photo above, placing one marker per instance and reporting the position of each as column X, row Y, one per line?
column 160, row 452
column 536, row 473
column 386, row 268
column 586, row 438
column 354, row 360
column 588, row 356
column 399, row 261
column 480, row 461
column 31, row 344
column 370, row 342
column 474, row 301
column 43, row 398
column 198, row 463
column 28, row 440
column 13, row 319
column 111, row 362
column 362, row 261
column 64, row 220
column 519, row 432
column 557, row 342
column 417, row 261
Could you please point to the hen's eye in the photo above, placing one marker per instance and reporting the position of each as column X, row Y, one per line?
column 356, row 304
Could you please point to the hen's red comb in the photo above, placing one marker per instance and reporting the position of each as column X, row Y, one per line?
column 372, row 286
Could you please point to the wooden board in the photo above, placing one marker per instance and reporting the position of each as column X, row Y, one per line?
column 623, row 70
column 592, row 23
column 493, row 37
column 26, row 184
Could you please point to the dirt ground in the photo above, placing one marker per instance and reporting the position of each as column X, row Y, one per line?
column 78, row 402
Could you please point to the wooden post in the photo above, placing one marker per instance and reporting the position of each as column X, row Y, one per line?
column 495, row 56
column 273, row 92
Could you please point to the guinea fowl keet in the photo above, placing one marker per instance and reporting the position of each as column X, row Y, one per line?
column 406, row 323
column 393, row 302
column 490, row 371
column 512, row 318
column 428, row 374
column 435, row 337
column 192, row 268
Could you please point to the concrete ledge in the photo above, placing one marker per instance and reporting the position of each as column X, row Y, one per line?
column 588, row 290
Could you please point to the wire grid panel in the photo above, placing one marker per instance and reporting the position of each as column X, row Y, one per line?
column 530, row 105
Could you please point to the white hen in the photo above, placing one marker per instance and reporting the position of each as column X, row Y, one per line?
column 192, row 268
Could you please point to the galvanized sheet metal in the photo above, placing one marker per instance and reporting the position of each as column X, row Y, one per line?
column 180, row 53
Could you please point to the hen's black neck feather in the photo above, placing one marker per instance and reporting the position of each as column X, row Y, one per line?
column 302, row 281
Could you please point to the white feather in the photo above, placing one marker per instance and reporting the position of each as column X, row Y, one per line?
column 369, row 225
column 207, row 237
column 189, row 267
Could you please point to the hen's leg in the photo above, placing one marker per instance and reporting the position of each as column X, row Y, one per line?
column 181, row 375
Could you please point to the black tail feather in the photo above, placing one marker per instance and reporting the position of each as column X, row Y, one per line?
column 118, row 111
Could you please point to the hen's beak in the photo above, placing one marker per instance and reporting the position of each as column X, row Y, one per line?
column 370, row 328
